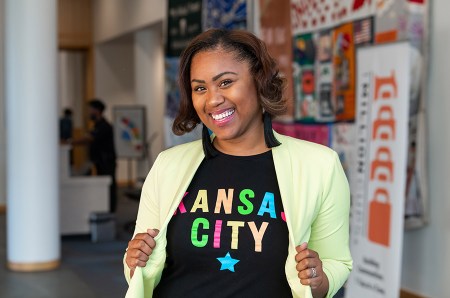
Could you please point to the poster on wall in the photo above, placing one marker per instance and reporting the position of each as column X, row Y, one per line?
column 344, row 72
column 184, row 22
column 275, row 29
column 172, row 106
column 129, row 131
column 227, row 14
column 379, row 182
column 305, row 77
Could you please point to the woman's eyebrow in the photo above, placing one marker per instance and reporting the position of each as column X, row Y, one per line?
column 198, row 81
column 216, row 77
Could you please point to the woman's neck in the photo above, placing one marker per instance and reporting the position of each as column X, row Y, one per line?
column 251, row 143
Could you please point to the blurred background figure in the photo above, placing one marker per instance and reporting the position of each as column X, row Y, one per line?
column 102, row 153
column 66, row 125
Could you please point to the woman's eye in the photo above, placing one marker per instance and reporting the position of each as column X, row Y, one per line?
column 199, row 89
column 225, row 83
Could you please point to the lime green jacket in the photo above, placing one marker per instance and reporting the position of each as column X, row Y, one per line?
column 315, row 196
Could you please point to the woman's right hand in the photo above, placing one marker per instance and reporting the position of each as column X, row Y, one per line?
column 140, row 248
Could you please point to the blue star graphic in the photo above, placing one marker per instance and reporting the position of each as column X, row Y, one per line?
column 227, row 262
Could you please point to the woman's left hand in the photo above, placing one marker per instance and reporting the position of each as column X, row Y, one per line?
column 310, row 271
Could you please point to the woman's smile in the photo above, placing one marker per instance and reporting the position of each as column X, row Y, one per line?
column 223, row 117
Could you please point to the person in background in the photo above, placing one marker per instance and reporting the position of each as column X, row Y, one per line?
column 65, row 125
column 101, row 147
column 245, row 212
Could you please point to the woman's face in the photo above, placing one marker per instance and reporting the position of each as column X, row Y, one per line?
column 224, row 95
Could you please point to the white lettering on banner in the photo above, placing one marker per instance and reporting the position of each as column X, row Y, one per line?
column 378, row 189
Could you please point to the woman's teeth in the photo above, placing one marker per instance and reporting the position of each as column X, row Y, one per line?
column 223, row 115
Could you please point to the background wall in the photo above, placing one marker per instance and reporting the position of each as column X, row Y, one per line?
column 426, row 258
column 129, row 66
column 114, row 81
column 117, row 17
column 2, row 115
column 149, row 87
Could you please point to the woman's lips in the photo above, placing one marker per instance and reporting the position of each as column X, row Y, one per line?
column 222, row 117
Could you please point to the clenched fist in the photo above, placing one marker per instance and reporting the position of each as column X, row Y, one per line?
column 140, row 248
column 310, row 271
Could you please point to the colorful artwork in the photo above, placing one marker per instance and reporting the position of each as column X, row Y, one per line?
column 344, row 72
column 304, row 76
column 172, row 91
column 173, row 106
column 304, row 49
column 363, row 31
column 129, row 131
column 313, row 15
column 228, row 14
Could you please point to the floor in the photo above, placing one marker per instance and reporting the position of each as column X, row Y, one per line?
column 88, row 270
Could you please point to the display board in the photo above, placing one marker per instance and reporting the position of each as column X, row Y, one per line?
column 129, row 131
column 379, row 184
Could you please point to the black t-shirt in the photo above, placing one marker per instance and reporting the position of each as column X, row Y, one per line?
column 101, row 150
column 228, row 237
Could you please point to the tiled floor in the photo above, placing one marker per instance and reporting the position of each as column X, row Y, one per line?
column 87, row 270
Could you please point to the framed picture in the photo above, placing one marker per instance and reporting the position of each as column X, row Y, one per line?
column 129, row 131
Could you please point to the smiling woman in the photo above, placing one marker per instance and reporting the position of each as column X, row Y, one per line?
column 291, row 198
column 229, row 58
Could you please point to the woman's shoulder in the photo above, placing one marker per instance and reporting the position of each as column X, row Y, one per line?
column 183, row 151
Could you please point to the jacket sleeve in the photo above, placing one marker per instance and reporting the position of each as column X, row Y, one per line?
column 330, row 229
column 148, row 213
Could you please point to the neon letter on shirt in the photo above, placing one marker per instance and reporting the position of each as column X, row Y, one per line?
column 258, row 235
column 268, row 205
column 201, row 201
column 235, row 232
column 217, row 230
column 194, row 232
column 248, row 204
column 223, row 199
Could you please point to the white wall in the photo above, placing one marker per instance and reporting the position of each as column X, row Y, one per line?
column 128, row 38
column 114, row 81
column 113, row 18
column 2, row 113
column 149, row 86
column 426, row 253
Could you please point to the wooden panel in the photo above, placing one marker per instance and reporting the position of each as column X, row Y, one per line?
column 75, row 23
column 33, row 267
column 408, row 294
column 80, row 153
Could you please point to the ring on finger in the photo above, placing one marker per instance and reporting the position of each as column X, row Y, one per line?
column 314, row 272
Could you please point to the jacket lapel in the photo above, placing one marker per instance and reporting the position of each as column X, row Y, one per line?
column 182, row 178
column 283, row 169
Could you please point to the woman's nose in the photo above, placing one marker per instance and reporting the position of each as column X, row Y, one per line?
column 214, row 99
